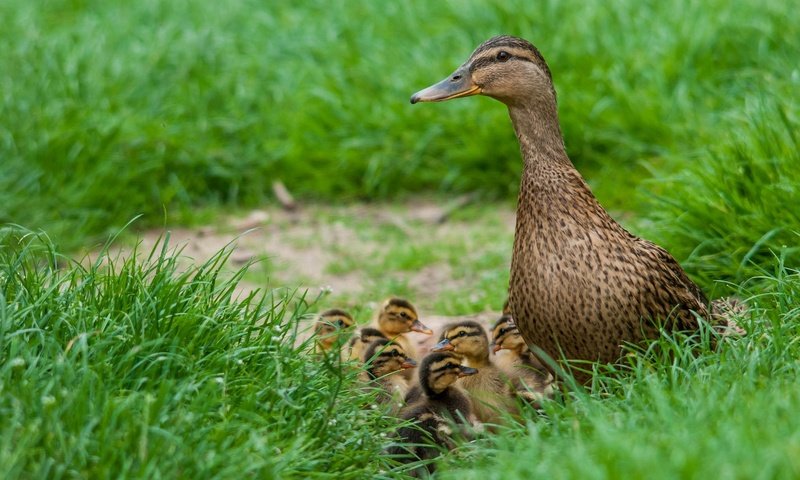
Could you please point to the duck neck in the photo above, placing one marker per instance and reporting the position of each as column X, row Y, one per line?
column 478, row 361
column 550, row 183
column 539, row 134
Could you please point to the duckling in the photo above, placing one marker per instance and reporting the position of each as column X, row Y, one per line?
column 581, row 286
column 441, row 402
column 398, row 317
column 531, row 379
column 332, row 326
column 489, row 389
column 384, row 359
column 359, row 343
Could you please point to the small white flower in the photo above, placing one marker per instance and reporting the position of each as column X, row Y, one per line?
column 219, row 380
column 17, row 362
column 48, row 400
column 239, row 362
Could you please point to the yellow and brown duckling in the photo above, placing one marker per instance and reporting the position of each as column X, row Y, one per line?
column 385, row 359
column 441, row 405
column 360, row 341
column 396, row 318
column 489, row 389
column 581, row 286
column 331, row 328
column 530, row 378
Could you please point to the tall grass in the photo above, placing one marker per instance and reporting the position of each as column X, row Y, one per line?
column 112, row 108
column 132, row 368
column 729, row 212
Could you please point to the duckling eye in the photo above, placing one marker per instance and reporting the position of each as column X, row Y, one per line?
column 502, row 55
column 462, row 334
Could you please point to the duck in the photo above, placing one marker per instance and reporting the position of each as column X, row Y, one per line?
column 581, row 286
column 359, row 343
column 332, row 326
column 489, row 388
column 396, row 318
column 531, row 380
column 428, row 422
column 385, row 359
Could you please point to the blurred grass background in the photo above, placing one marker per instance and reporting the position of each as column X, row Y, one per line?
column 112, row 109
column 683, row 116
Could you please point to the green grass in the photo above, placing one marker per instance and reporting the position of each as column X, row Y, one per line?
column 728, row 212
column 140, row 368
column 112, row 108
column 683, row 116
column 132, row 368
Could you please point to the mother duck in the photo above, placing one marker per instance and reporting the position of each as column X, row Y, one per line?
column 581, row 285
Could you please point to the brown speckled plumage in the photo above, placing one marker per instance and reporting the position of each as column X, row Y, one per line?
column 580, row 285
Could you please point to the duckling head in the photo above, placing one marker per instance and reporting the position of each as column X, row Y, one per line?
column 506, row 336
column 330, row 325
column 467, row 339
column 386, row 357
column 368, row 335
column 505, row 68
column 398, row 316
column 439, row 370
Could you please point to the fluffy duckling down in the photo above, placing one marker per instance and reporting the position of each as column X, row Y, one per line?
column 384, row 360
column 332, row 327
column 396, row 318
column 489, row 389
column 530, row 378
column 441, row 407
column 360, row 341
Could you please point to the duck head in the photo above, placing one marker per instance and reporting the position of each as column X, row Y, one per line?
column 439, row 370
column 467, row 339
column 398, row 316
column 506, row 68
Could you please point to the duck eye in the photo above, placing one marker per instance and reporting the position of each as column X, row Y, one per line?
column 502, row 55
column 462, row 334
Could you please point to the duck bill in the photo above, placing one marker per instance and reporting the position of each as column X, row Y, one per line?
column 496, row 347
column 409, row 363
column 418, row 326
column 467, row 371
column 457, row 85
column 443, row 346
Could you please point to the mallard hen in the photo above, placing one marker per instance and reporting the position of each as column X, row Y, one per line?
column 581, row 285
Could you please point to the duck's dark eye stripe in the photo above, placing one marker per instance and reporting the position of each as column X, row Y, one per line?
column 464, row 334
column 489, row 60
